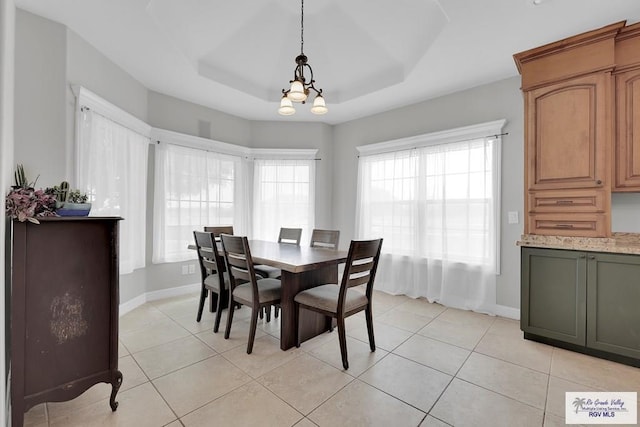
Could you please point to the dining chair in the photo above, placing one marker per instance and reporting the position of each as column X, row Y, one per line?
column 289, row 236
column 219, row 229
column 325, row 238
column 213, row 277
column 340, row 301
column 252, row 292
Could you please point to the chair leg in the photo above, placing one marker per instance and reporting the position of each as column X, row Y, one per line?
column 296, row 317
column 262, row 313
column 267, row 311
column 203, row 296
column 276, row 311
column 369, row 317
column 213, row 301
column 227, row 331
column 342, row 337
column 252, row 330
column 216, row 324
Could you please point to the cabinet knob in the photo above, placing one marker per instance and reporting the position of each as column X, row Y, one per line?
column 599, row 182
column 592, row 257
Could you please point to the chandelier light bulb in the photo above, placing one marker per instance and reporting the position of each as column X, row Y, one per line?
column 286, row 107
column 319, row 107
column 296, row 93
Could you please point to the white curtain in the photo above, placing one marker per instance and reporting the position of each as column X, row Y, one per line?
column 195, row 188
column 283, row 196
column 111, row 167
column 436, row 208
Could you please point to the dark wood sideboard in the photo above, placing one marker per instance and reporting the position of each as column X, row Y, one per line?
column 64, row 310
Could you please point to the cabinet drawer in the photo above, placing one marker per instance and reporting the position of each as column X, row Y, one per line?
column 567, row 201
column 576, row 224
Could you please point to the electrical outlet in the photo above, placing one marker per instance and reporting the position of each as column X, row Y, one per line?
column 192, row 268
column 513, row 217
column 185, row 269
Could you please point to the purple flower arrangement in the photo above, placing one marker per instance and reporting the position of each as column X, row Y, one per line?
column 27, row 204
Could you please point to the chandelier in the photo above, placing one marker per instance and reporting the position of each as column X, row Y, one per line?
column 300, row 86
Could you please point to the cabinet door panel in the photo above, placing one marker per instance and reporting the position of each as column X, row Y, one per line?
column 568, row 134
column 553, row 294
column 613, row 304
column 628, row 131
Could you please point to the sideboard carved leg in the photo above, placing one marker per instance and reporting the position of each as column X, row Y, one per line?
column 115, row 386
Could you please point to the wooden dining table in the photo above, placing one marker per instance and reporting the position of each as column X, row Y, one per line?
column 302, row 267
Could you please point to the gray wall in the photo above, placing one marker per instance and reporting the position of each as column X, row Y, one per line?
column 87, row 67
column 174, row 114
column 40, row 97
column 500, row 100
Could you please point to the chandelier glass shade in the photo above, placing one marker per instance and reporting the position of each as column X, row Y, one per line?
column 301, row 85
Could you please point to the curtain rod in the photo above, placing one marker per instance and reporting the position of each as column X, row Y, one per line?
column 85, row 108
column 227, row 154
column 443, row 143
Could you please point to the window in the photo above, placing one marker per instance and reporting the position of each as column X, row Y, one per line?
column 284, row 196
column 111, row 167
column 193, row 188
column 435, row 201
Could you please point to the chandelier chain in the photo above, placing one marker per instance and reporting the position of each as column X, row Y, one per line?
column 302, row 27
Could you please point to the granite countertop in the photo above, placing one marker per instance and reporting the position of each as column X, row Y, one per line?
column 623, row 243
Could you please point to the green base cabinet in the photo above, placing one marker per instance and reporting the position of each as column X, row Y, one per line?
column 588, row 300
column 613, row 303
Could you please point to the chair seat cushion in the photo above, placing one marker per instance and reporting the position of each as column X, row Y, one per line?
column 267, row 271
column 325, row 297
column 268, row 291
column 212, row 282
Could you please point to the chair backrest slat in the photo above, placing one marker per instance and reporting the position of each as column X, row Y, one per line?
column 238, row 257
column 361, row 266
column 325, row 238
column 210, row 260
column 290, row 235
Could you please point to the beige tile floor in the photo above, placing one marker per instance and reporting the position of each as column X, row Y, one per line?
column 434, row 366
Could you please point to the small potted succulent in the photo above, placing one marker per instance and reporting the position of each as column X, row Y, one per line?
column 70, row 202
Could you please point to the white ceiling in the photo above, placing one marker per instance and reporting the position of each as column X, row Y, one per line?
column 368, row 56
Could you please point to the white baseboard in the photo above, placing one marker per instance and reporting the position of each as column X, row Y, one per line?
column 132, row 303
column 172, row 292
column 157, row 295
column 509, row 312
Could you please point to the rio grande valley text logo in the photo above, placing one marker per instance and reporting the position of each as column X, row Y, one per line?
column 601, row 408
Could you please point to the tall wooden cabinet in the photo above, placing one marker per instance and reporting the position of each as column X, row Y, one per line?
column 64, row 310
column 627, row 81
column 582, row 129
